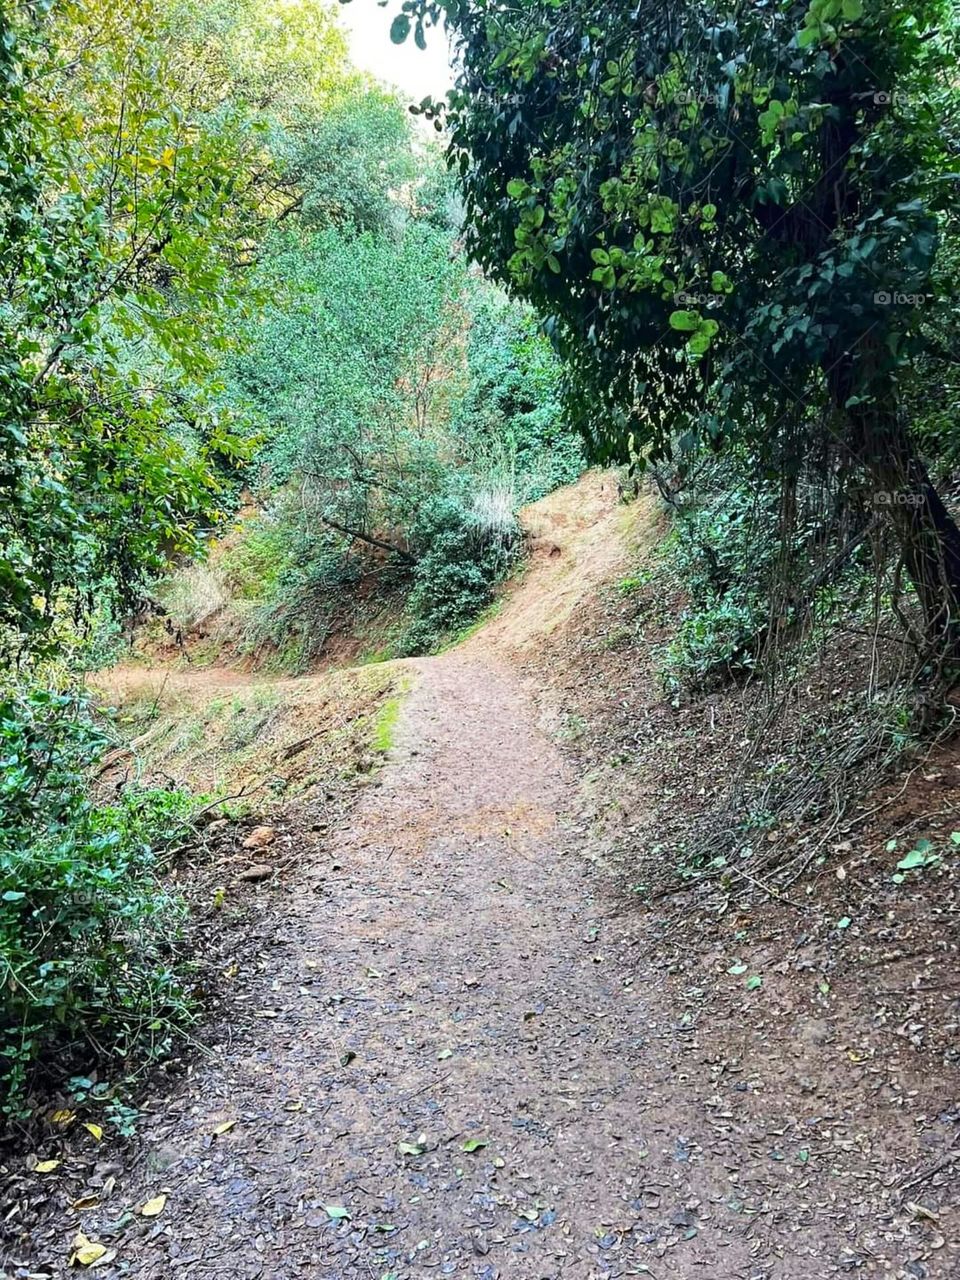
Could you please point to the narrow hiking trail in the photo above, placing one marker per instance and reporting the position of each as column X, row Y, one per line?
column 450, row 1051
column 441, row 981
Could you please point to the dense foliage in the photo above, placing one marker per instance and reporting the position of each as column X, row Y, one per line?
column 406, row 410
column 731, row 214
column 87, row 934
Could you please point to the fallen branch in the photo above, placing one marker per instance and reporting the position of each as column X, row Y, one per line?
column 366, row 537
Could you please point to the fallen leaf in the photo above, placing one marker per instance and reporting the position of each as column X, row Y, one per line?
column 444, row 1054
column 63, row 1118
column 474, row 1144
column 225, row 1127
column 47, row 1166
column 409, row 1149
column 85, row 1202
column 921, row 1211
column 336, row 1212
column 86, row 1252
column 153, row 1208
column 752, row 983
column 259, row 837
column 95, row 1131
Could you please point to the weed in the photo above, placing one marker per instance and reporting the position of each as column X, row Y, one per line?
column 386, row 724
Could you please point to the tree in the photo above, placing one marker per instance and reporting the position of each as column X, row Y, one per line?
column 729, row 215
column 145, row 155
column 348, row 363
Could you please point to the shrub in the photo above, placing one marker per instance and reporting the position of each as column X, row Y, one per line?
column 461, row 552
column 748, row 568
column 714, row 553
column 87, row 932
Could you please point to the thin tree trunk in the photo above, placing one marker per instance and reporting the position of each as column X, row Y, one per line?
column 928, row 535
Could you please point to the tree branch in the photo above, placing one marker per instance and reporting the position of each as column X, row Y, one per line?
column 366, row 537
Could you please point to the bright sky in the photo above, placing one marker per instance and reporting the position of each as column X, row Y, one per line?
column 413, row 71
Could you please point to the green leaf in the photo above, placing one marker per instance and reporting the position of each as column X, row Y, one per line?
column 685, row 321
column 753, row 982
column 336, row 1212
column 474, row 1144
column 400, row 28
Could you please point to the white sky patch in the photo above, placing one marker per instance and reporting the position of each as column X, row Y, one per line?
column 415, row 72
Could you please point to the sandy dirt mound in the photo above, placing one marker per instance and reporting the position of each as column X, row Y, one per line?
column 578, row 538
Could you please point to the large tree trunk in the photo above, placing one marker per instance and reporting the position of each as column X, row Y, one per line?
column 901, row 489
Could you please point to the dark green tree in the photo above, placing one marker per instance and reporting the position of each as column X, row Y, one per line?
column 729, row 213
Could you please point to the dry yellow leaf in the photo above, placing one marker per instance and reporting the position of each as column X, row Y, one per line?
column 86, row 1252
column 46, row 1166
column 85, row 1202
column 153, row 1208
column 63, row 1118
column 95, row 1130
column 224, row 1128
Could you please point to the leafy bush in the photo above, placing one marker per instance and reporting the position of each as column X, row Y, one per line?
column 510, row 416
column 744, row 564
column 726, row 568
column 87, row 933
column 460, row 558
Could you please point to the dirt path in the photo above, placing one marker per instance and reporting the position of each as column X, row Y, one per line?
column 442, row 979
column 451, row 1054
